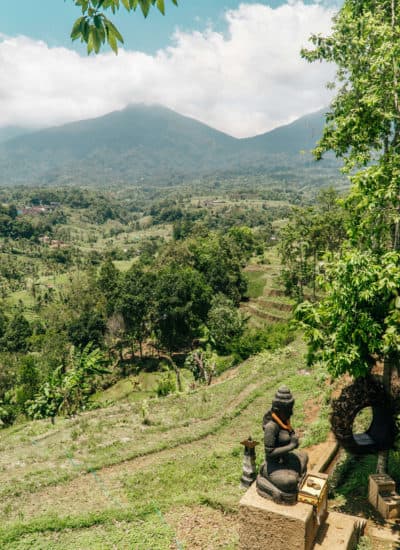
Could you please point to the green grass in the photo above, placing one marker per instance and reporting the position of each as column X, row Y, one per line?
column 187, row 461
column 349, row 482
column 256, row 283
column 123, row 265
column 135, row 388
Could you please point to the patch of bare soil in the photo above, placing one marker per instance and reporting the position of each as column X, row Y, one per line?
column 203, row 528
column 274, row 292
column 255, row 267
column 311, row 411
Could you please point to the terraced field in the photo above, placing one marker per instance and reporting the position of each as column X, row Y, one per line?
column 117, row 477
column 268, row 302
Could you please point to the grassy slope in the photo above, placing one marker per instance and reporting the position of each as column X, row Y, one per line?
column 107, row 480
column 267, row 301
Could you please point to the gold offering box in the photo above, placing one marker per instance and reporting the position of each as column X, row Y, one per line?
column 314, row 490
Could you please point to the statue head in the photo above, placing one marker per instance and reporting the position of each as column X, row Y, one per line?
column 283, row 402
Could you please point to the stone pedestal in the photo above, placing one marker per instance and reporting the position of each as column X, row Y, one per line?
column 264, row 524
column 382, row 495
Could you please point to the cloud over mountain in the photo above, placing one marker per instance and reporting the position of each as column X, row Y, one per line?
column 244, row 81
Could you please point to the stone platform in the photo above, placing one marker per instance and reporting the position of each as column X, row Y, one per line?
column 382, row 495
column 339, row 532
column 265, row 525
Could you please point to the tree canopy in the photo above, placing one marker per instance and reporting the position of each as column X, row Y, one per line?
column 357, row 322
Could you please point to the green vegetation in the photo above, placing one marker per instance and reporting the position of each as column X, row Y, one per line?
column 358, row 321
column 189, row 439
column 123, row 304
column 177, row 291
column 94, row 28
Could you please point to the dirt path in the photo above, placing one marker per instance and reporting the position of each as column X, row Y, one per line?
column 95, row 492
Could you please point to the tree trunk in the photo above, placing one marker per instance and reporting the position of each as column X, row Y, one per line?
column 315, row 276
column 383, row 456
column 177, row 372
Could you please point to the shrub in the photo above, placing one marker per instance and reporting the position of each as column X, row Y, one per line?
column 166, row 384
column 253, row 341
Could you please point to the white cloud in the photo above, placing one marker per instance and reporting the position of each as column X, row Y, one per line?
column 245, row 81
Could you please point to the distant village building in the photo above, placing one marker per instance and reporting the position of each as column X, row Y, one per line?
column 53, row 243
column 38, row 210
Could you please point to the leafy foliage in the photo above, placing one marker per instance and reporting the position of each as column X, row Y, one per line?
column 95, row 28
column 69, row 392
column 224, row 322
column 254, row 340
column 202, row 365
column 310, row 233
column 357, row 322
column 182, row 301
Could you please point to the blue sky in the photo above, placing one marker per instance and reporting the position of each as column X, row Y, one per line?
column 233, row 65
column 51, row 21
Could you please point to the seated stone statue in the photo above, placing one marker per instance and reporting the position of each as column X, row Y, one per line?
column 281, row 473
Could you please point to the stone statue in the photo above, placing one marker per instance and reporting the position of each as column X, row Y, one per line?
column 283, row 469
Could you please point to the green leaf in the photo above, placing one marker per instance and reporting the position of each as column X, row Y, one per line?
column 161, row 6
column 113, row 30
column 76, row 29
column 112, row 42
column 145, row 6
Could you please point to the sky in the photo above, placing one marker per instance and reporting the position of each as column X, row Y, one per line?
column 233, row 65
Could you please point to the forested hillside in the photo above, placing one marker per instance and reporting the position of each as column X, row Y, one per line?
column 150, row 144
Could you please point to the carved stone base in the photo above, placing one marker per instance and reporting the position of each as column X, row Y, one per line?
column 382, row 495
column 266, row 489
column 265, row 524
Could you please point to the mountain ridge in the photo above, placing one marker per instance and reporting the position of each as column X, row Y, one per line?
column 146, row 142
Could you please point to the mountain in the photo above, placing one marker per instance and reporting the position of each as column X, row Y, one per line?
column 10, row 132
column 300, row 135
column 148, row 144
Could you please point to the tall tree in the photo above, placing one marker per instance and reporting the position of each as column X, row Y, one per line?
column 135, row 302
column 358, row 321
column 108, row 282
column 181, row 303
column 310, row 234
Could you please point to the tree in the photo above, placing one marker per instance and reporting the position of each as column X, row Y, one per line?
column 219, row 259
column 95, row 28
column 310, row 233
column 89, row 326
column 135, row 302
column 224, row 322
column 181, row 303
column 16, row 335
column 115, row 337
column 28, row 380
column 108, row 282
column 202, row 365
column 363, row 128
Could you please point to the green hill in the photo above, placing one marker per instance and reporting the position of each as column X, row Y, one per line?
column 108, row 478
column 151, row 144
